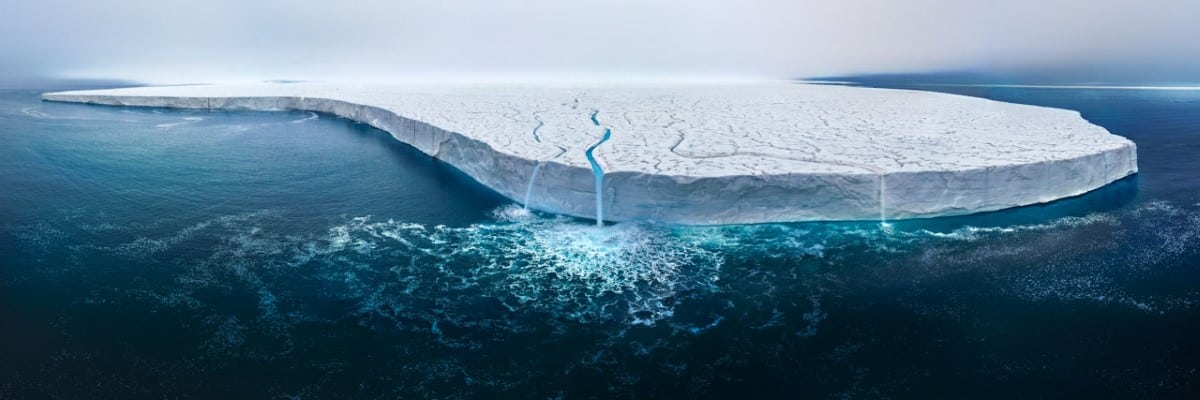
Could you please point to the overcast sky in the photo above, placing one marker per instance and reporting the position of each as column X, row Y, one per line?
column 202, row 41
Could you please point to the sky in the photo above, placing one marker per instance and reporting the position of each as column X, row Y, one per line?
column 164, row 41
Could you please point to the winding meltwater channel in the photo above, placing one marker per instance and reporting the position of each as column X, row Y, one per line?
column 597, row 171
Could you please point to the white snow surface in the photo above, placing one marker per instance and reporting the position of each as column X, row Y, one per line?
column 713, row 153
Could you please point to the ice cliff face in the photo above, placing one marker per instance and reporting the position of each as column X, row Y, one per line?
column 714, row 153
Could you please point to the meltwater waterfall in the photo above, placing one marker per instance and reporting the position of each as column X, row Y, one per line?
column 532, row 178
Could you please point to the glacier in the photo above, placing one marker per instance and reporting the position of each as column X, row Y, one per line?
column 710, row 153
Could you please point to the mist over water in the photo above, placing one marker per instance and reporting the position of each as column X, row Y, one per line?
column 153, row 253
column 223, row 40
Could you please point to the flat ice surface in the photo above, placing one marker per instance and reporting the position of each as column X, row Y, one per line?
column 713, row 153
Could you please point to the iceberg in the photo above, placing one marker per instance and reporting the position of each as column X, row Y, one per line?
column 710, row 153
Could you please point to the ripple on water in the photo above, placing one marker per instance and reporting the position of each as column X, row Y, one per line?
column 466, row 286
column 627, row 272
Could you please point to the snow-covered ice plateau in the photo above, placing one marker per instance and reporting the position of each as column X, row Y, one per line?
column 711, row 153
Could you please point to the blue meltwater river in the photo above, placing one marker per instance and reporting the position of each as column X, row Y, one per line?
column 150, row 253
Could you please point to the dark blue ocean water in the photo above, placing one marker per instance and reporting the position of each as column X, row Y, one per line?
column 150, row 253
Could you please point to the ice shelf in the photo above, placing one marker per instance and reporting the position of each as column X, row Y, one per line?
column 713, row 153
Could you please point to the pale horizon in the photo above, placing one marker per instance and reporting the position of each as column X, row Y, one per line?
column 222, row 41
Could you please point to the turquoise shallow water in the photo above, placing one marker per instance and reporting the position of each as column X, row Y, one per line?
column 164, row 253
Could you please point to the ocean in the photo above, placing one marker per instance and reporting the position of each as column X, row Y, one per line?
column 153, row 253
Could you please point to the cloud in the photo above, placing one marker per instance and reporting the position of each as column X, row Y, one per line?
column 166, row 41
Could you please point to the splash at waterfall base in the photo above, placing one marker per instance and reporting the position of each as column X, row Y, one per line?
column 716, row 153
